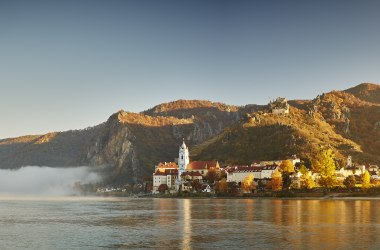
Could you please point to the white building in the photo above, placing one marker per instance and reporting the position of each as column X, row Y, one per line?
column 183, row 161
column 165, row 173
column 294, row 159
column 168, row 177
column 238, row 173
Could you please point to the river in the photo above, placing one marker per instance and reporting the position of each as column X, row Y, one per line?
column 96, row 223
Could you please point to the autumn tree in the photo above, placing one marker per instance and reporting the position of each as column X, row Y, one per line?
column 221, row 186
column 366, row 179
column 162, row 188
column 303, row 169
column 307, row 181
column 233, row 187
column 350, row 182
column 196, row 185
column 324, row 164
column 248, row 184
column 287, row 166
column 222, row 174
column 212, row 175
column 287, row 169
column 276, row 181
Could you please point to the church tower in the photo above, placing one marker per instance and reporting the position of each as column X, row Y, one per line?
column 183, row 159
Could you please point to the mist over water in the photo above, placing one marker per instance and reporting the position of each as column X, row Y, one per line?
column 44, row 181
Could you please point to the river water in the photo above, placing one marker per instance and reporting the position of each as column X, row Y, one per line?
column 94, row 223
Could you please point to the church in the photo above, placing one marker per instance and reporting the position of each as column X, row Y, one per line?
column 173, row 175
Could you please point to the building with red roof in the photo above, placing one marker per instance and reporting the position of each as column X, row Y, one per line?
column 166, row 173
column 202, row 167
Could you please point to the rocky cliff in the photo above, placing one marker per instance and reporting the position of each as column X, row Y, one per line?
column 127, row 145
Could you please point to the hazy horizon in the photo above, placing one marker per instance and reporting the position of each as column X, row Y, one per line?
column 44, row 181
column 71, row 64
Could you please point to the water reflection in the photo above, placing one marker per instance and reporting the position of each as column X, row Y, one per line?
column 191, row 224
column 186, row 233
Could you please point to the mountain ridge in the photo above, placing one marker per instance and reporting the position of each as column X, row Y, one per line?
column 128, row 145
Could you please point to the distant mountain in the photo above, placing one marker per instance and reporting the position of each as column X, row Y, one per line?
column 128, row 145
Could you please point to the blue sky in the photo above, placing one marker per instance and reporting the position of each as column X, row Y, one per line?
column 71, row 64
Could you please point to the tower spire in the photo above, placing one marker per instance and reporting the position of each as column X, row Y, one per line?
column 183, row 160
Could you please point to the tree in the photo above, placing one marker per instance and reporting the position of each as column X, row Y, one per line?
column 233, row 188
column 196, row 185
column 324, row 164
column 366, row 179
column 211, row 175
column 286, row 168
column 162, row 188
column 276, row 181
column 248, row 184
column 307, row 181
column 221, row 186
column 223, row 174
column 303, row 169
column 350, row 182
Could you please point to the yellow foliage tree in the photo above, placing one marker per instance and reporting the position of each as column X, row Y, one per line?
column 248, row 184
column 276, row 181
column 307, row 181
column 366, row 179
column 287, row 166
column 324, row 164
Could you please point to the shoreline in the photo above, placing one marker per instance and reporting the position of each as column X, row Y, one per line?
column 278, row 195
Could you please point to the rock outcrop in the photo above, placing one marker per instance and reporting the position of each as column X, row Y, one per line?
column 128, row 145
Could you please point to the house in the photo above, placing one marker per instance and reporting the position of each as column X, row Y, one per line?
column 267, row 171
column 354, row 170
column 206, row 188
column 296, row 179
column 238, row 173
column 186, row 187
column 294, row 159
column 166, row 173
column 165, row 165
column 191, row 176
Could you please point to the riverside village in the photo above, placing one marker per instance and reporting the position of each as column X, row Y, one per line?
column 265, row 177
column 270, row 177
column 185, row 176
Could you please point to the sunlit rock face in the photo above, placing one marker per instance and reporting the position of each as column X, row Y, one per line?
column 128, row 145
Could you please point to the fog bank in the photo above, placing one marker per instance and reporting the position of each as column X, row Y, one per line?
column 44, row 181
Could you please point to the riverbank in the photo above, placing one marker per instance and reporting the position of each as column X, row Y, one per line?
column 287, row 194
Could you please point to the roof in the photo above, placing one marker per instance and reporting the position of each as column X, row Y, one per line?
column 164, row 165
column 240, row 169
column 167, row 172
column 202, row 165
column 191, row 174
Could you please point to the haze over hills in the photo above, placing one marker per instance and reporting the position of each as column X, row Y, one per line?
column 128, row 145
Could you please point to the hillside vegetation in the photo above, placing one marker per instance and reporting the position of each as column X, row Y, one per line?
column 128, row 145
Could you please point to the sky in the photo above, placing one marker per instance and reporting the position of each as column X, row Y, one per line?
column 71, row 64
